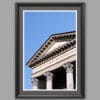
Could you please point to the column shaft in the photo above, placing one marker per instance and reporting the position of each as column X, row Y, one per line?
column 49, row 84
column 35, row 83
column 69, row 76
column 69, row 82
column 49, row 78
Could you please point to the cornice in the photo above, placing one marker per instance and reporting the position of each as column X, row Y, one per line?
column 54, row 53
column 66, row 36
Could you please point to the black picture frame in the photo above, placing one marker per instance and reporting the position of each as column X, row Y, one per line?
column 19, row 93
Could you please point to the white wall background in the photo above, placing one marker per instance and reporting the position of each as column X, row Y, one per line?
column 92, row 56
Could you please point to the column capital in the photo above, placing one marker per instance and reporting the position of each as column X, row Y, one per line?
column 49, row 75
column 34, row 80
column 68, row 66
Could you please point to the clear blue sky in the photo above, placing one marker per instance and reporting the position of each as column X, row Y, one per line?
column 38, row 26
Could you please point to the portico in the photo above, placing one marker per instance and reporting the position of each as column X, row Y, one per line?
column 53, row 79
column 54, row 64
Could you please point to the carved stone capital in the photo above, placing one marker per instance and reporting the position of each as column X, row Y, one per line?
column 68, row 67
column 34, row 81
column 49, row 75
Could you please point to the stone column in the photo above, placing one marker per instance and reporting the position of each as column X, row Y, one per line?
column 69, row 76
column 35, row 83
column 49, row 78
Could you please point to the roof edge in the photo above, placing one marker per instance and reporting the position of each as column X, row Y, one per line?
column 27, row 63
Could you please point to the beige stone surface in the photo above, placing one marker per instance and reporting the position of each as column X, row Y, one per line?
column 55, row 63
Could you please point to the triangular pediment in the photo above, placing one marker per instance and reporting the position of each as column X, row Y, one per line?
column 55, row 46
column 54, row 42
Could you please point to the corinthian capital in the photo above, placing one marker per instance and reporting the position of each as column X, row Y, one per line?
column 49, row 75
column 34, row 81
column 69, row 67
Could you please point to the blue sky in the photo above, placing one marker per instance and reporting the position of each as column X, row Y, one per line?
column 38, row 26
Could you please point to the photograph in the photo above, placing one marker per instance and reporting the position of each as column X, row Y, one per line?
column 49, row 48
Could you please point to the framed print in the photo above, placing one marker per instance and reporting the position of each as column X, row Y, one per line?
column 49, row 50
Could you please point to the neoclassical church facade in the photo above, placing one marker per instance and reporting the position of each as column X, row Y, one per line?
column 54, row 64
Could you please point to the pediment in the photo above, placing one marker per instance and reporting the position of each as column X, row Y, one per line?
column 55, row 46
column 54, row 42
